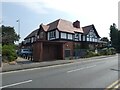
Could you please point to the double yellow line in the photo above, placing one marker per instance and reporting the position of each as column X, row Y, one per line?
column 114, row 86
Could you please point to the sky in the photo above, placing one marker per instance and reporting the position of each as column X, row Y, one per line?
column 101, row 13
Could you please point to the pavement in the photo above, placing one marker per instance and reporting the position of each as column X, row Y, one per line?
column 22, row 63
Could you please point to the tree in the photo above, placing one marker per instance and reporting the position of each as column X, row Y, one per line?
column 104, row 39
column 115, row 37
column 119, row 41
column 9, row 35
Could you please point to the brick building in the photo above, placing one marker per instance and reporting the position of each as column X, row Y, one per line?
column 59, row 39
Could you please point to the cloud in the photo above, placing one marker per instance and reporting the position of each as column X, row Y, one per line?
column 35, row 7
column 84, row 8
column 102, row 13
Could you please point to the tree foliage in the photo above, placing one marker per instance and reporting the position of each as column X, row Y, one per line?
column 9, row 35
column 9, row 53
column 115, row 37
column 104, row 39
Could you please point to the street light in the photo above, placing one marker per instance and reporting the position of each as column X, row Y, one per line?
column 18, row 21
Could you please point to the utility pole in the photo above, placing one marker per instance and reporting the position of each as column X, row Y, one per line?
column 18, row 21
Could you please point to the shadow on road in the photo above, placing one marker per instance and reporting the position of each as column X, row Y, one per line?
column 115, row 69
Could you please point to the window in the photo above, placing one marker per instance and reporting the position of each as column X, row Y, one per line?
column 88, row 39
column 51, row 35
column 70, row 36
column 92, row 36
column 80, row 37
column 76, row 35
column 83, row 37
column 63, row 35
column 32, row 40
column 57, row 34
column 95, row 39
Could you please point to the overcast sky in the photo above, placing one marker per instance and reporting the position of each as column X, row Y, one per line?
column 101, row 13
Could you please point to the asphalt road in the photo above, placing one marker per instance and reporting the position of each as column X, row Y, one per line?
column 97, row 73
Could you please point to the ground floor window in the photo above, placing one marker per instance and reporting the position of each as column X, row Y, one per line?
column 67, row 53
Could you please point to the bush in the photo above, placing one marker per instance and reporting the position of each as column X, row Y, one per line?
column 108, row 51
column 104, row 51
column 9, row 53
column 113, row 51
column 92, row 53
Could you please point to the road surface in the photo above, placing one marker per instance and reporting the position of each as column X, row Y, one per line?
column 96, row 73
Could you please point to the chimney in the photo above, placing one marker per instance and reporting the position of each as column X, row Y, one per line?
column 76, row 24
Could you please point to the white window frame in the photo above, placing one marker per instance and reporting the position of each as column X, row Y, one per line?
column 32, row 39
column 57, row 34
column 76, row 35
column 80, row 35
column 63, row 35
column 70, row 36
column 52, row 35
column 83, row 37
column 88, row 39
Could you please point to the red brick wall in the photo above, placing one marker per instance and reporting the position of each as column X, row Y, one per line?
column 37, row 51
column 69, row 45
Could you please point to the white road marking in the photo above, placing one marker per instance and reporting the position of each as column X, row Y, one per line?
column 80, row 69
column 50, row 66
column 16, row 84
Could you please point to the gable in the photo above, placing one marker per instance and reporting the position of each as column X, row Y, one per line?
column 32, row 34
column 92, row 33
column 90, row 29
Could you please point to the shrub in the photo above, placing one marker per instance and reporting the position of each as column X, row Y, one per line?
column 113, row 51
column 108, row 51
column 9, row 53
column 92, row 53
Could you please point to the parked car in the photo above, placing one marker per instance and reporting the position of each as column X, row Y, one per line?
column 25, row 52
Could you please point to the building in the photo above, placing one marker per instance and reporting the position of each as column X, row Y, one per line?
column 60, row 39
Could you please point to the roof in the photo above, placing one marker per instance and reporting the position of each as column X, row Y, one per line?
column 45, row 27
column 64, row 26
column 32, row 34
column 86, row 29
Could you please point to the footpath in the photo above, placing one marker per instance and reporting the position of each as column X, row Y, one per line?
column 22, row 63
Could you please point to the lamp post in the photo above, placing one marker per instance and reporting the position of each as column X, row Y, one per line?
column 18, row 21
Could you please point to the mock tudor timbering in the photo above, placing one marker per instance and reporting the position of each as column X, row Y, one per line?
column 60, row 35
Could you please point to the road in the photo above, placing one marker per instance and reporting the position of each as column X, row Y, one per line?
column 96, row 73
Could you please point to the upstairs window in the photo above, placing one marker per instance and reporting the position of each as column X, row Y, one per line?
column 76, row 36
column 92, row 36
column 70, row 36
column 80, row 37
column 63, row 35
column 32, row 39
column 52, row 34
column 83, row 37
